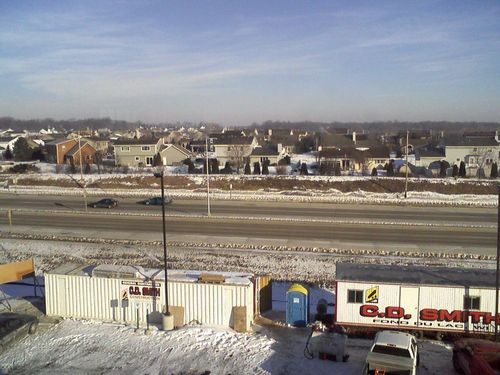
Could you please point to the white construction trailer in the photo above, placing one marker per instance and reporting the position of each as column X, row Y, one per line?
column 132, row 293
column 433, row 300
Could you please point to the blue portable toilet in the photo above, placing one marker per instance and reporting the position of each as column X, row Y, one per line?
column 297, row 305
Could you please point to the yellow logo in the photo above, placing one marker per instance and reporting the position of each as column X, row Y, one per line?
column 372, row 295
column 124, row 295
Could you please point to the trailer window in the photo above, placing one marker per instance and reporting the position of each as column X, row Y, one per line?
column 354, row 296
column 472, row 303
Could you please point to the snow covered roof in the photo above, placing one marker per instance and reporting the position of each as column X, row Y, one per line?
column 138, row 272
column 376, row 273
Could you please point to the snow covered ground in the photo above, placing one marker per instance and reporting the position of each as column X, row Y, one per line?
column 87, row 347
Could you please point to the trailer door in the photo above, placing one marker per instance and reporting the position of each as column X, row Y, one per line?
column 408, row 300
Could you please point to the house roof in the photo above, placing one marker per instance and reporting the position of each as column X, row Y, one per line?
column 136, row 141
column 429, row 152
column 459, row 140
column 178, row 148
column 58, row 141
column 267, row 150
column 335, row 140
column 446, row 276
column 73, row 150
column 223, row 139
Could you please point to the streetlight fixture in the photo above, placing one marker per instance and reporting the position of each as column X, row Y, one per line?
column 167, row 318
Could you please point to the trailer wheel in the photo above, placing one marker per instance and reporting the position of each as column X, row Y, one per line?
column 418, row 334
column 439, row 336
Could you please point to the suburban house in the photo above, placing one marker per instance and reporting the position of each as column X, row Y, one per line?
column 288, row 139
column 135, row 152
column 62, row 151
column 428, row 156
column 231, row 148
column 83, row 150
column 272, row 154
column 171, row 154
column 478, row 150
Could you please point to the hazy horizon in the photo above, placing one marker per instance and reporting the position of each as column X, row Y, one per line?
column 237, row 63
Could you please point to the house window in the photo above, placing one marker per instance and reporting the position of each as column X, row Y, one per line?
column 229, row 148
column 125, row 148
column 354, row 296
column 149, row 160
column 145, row 148
column 472, row 303
column 137, row 158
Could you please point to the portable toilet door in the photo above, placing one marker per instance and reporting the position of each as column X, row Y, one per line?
column 297, row 306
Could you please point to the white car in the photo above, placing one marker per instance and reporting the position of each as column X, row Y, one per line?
column 393, row 352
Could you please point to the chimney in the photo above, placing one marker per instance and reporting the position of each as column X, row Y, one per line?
column 496, row 136
column 354, row 137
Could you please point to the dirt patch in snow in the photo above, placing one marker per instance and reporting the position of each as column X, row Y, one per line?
column 263, row 183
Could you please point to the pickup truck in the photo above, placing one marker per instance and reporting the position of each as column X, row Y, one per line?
column 392, row 353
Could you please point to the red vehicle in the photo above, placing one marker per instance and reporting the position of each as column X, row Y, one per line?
column 476, row 357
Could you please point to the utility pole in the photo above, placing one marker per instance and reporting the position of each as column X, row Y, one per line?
column 406, row 178
column 498, row 264
column 81, row 170
column 208, row 177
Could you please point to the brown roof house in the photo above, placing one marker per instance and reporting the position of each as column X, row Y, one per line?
column 62, row 151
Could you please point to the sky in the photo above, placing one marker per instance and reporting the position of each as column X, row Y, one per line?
column 240, row 62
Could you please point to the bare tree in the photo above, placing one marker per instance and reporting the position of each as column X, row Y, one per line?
column 483, row 156
column 237, row 154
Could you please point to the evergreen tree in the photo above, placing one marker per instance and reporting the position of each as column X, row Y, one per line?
column 8, row 154
column 442, row 169
column 390, row 168
column 247, row 168
column 157, row 160
column 22, row 151
column 454, row 171
column 265, row 167
column 336, row 169
column 72, row 168
column 227, row 168
column 214, row 166
column 189, row 164
column 494, row 171
column 303, row 169
column 256, row 168
column 461, row 170
column 374, row 172
column 86, row 170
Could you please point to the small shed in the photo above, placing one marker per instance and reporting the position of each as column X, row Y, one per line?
column 297, row 305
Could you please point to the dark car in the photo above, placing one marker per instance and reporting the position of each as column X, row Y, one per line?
column 14, row 326
column 104, row 203
column 156, row 201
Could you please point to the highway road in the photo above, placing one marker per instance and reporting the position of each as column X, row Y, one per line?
column 67, row 215
column 324, row 211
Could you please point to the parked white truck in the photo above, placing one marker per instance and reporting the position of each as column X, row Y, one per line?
column 392, row 353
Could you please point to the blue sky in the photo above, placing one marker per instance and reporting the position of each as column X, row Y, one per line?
column 238, row 62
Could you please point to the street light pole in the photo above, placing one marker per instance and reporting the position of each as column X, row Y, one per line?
column 406, row 178
column 208, row 177
column 81, row 170
column 167, row 322
column 498, row 265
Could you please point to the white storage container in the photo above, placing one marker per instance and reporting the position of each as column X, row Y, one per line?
column 118, row 294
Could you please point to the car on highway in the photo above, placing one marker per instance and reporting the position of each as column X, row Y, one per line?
column 13, row 326
column 156, row 201
column 476, row 357
column 104, row 203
